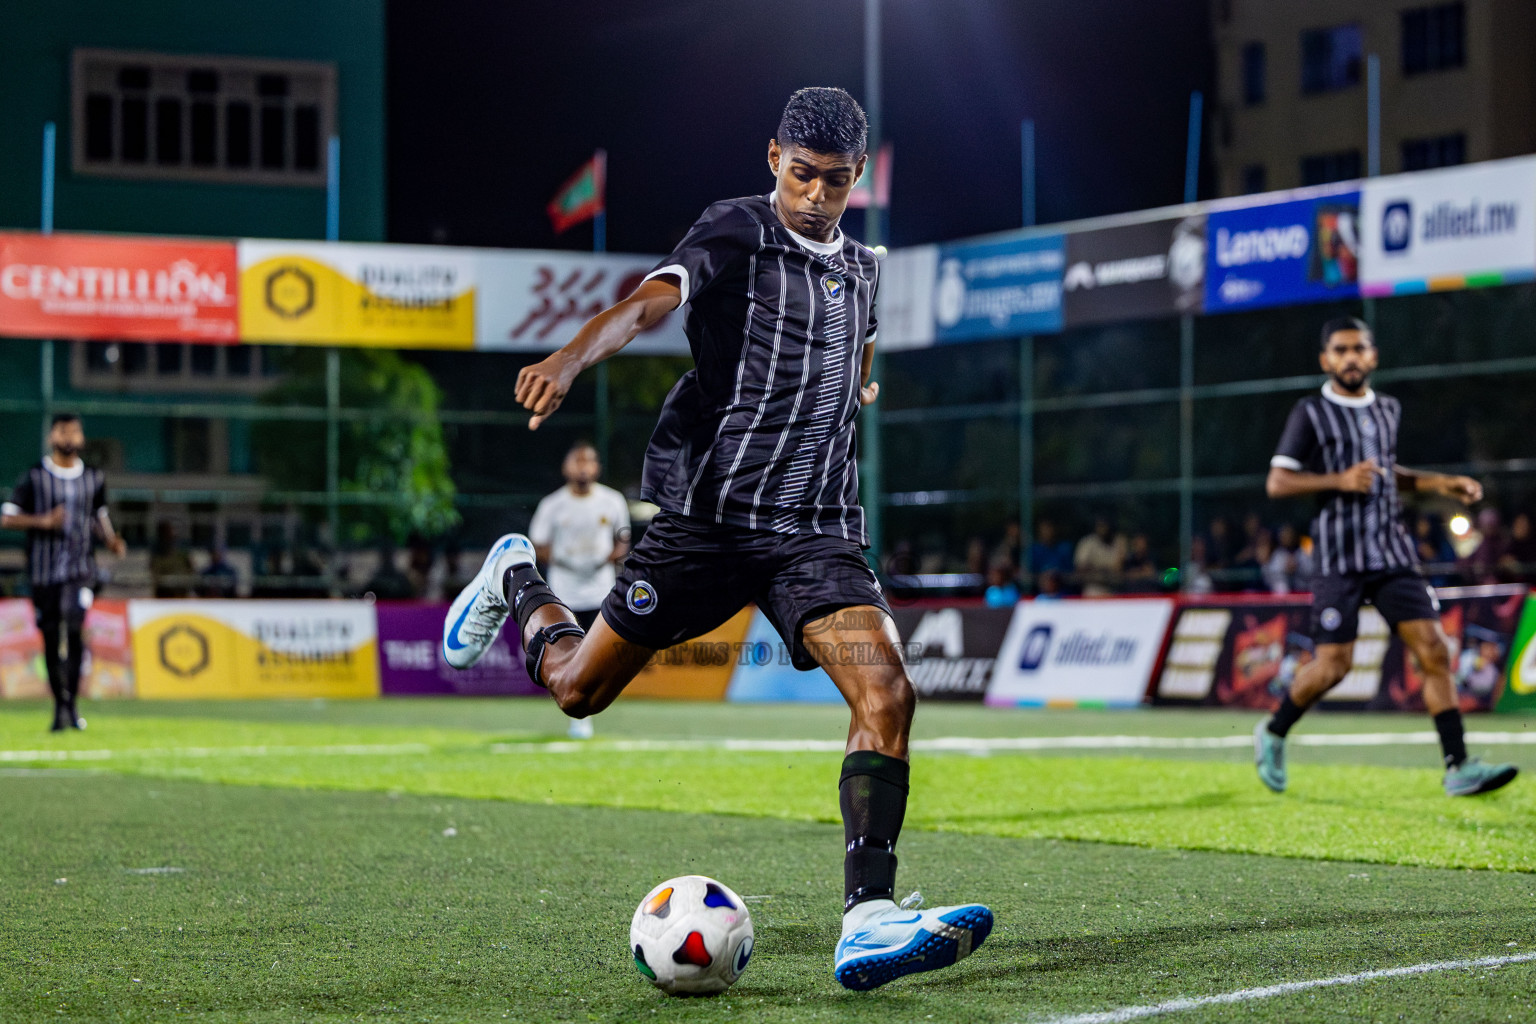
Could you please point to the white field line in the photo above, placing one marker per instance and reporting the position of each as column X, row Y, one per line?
column 1246, row 995
column 945, row 744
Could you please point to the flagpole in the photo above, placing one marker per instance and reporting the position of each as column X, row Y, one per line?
column 603, row 425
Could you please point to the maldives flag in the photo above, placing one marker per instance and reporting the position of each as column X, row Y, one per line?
column 581, row 197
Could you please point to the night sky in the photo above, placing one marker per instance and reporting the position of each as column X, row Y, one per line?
column 493, row 104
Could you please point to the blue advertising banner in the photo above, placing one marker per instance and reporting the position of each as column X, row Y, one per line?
column 1288, row 253
column 996, row 289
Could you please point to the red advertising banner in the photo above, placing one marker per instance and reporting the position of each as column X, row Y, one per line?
column 96, row 286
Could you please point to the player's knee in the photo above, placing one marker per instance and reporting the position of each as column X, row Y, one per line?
column 895, row 695
column 1435, row 657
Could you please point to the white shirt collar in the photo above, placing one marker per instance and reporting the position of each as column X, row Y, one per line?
column 1346, row 400
column 63, row 473
column 824, row 248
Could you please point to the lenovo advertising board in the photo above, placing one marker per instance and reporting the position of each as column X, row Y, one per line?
column 1135, row 272
column 1283, row 254
column 1458, row 227
column 98, row 286
column 1080, row 652
column 996, row 289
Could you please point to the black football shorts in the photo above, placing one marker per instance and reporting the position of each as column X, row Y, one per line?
column 688, row 576
column 1401, row 595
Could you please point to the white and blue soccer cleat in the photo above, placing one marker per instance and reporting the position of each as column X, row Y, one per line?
column 476, row 615
column 882, row 942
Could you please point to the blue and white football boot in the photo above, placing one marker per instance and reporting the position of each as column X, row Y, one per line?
column 476, row 615
column 882, row 942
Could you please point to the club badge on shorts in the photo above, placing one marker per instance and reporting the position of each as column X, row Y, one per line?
column 641, row 598
column 1331, row 619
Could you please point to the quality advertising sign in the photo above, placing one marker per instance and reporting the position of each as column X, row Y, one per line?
column 1459, row 227
column 1135, row 271
column 1080, row 652
column 399, row 296
column 536, row 301
column 88, row 286
column 1283, row 254
column 995, row 289
column 244, row 649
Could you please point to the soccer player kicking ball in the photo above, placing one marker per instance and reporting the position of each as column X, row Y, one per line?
column 753, row 466
column 1341, row 446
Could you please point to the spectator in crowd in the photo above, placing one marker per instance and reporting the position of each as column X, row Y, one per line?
column 1002, row 590
column 455, row 575
column 170, row 567
column 1482, row 565
column 389, row 583
column 219, row 579
column 1300, row 553
column 1520, row 559
column 1277, row 566
column 1050, row 586
column 1099, row 559
column 1009, row 550
column 902, row 561
column 1047, row 553
column 976, row 556
column 418, row 568
column 1220, row 548
column 1140, row 571
column 1195, row 577
column 1248, row 556
column 1434, row 547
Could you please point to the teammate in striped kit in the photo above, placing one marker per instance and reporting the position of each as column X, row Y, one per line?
column 1341, row 446
column 753, row 466
column 62, row 504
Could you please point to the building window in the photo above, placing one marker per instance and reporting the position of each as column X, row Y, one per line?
column 1253, row 74
column 1442, row 151
column 163, row 116
column 170, row 367
column 1254, row 179
column 1434, row 38
column 1322, row 168
column 1330, row 59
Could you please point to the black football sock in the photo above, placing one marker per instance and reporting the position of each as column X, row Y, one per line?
column 1285, row 716
column 527, row 592
column 72, row 664
column 873, row 795
column 1453, row 739
column 57, row 683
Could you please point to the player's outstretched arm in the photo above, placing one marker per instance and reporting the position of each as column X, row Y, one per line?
column 543, row 386
column 1291, row 483
column 1462, row 488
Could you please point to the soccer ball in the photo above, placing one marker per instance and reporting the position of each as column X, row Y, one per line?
column 691, row 936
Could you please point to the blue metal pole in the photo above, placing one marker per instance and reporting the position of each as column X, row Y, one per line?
column 50, row 140
column 1027, row 140
column 333, row 189
column 1192, row 150
column 1373, row 115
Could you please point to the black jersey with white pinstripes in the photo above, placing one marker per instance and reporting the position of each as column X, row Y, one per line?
column 1328, row 433
column 760, row 434
column 65, row 555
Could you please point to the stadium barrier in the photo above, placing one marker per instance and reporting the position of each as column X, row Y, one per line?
column 1236, row 651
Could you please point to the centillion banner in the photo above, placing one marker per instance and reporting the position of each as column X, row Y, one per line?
column 397, row 296
column 246, row 649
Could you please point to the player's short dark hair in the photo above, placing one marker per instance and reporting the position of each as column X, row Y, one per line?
column 580, row 445
column 824, row 120
column 64, row 417
column 1344, row 323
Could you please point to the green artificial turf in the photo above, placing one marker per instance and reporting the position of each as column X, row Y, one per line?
column 434, row 861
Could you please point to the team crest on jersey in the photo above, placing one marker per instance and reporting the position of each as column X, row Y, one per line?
column 833, row 285
column 641, row 598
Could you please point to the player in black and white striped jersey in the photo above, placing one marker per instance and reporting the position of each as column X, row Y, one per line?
column 1341, row 447
column 62, row 504
column 753, row 463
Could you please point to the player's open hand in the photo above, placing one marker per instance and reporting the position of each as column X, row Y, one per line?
column 542, row 387
column 869, row 392
column 1361, row 477
column 1463, row 488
